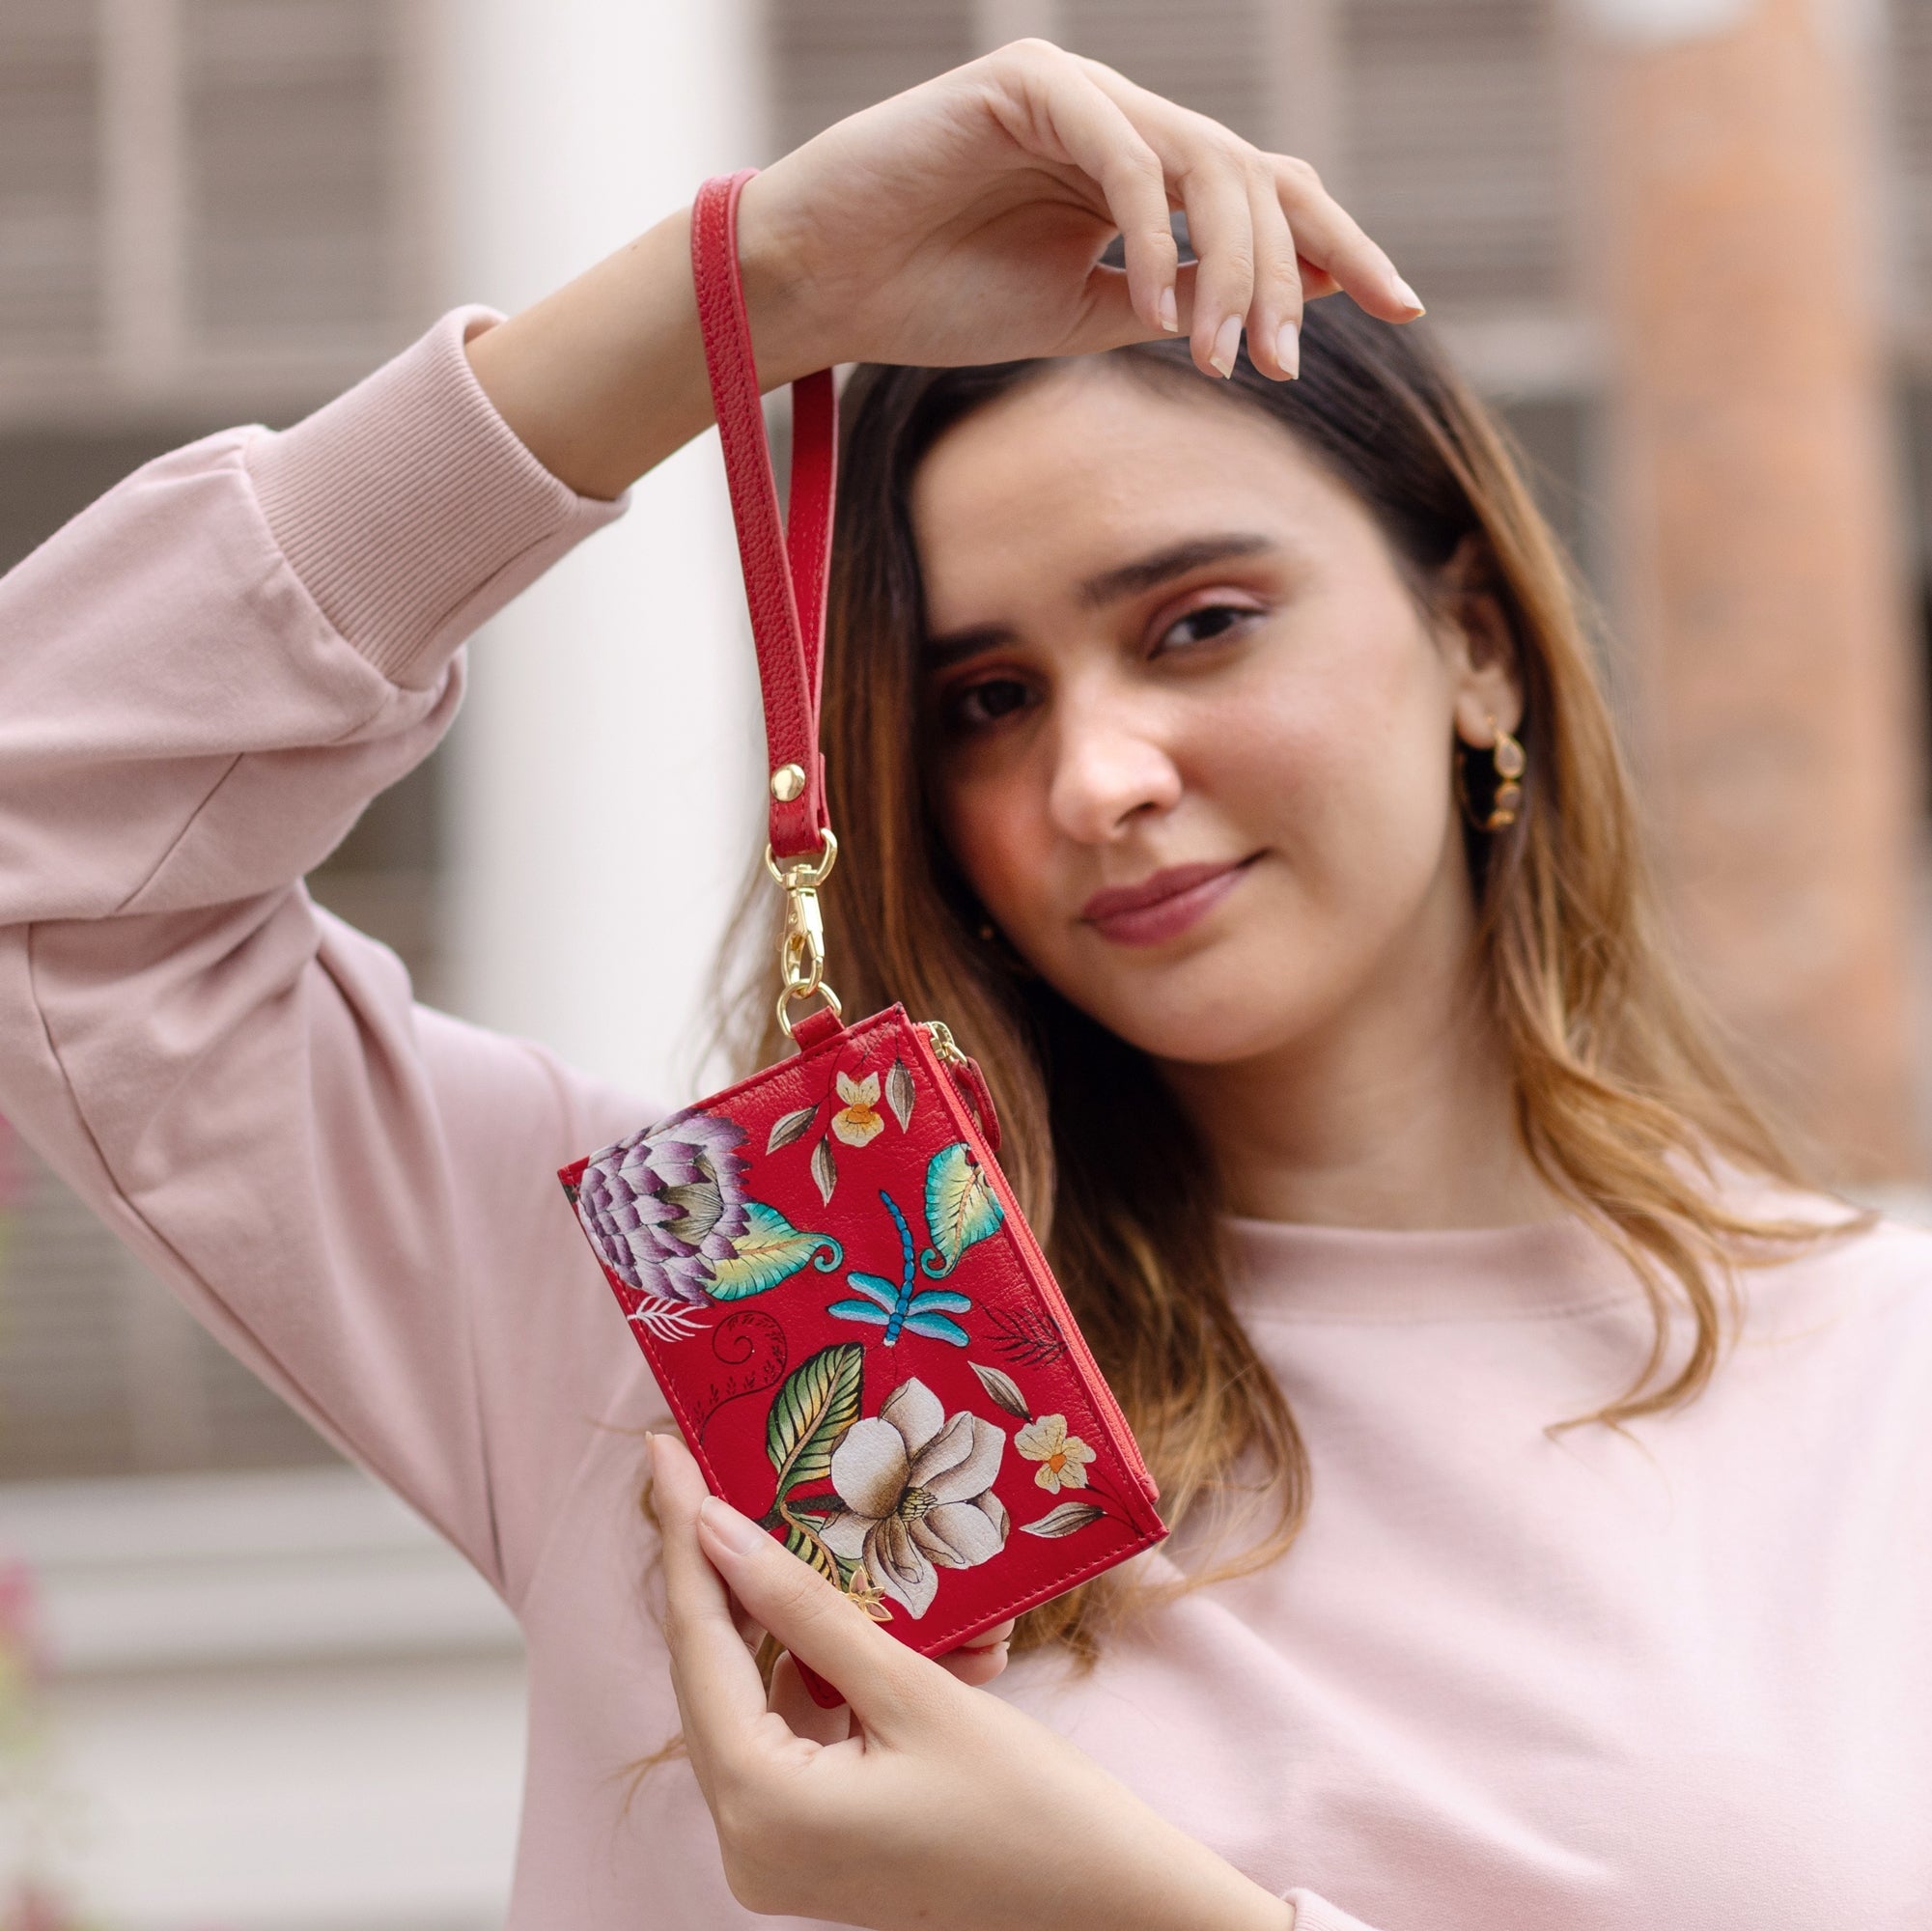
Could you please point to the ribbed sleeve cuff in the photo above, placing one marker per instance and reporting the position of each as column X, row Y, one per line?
column 410, row 510
column 1317, row 1914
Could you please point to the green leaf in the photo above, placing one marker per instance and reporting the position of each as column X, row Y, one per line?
column 770, row 1249
column 960, row 1208
column 813, row 1552
column 816, row 1403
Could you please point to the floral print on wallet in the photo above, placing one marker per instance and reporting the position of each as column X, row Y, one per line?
column 859, row 1338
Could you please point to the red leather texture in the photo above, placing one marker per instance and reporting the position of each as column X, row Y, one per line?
column 860, row 1338
column 784, row 581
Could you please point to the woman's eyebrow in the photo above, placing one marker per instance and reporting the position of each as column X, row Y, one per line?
column 1109, row 586
column 1129, row 579
column 956, row 646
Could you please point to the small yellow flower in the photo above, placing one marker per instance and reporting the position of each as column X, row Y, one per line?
column 860, row 1120
column 1062, row 1457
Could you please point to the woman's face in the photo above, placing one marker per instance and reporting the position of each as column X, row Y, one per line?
column 1191, row 734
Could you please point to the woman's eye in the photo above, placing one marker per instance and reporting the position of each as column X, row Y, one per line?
column 987, row 703
column 1204, row 626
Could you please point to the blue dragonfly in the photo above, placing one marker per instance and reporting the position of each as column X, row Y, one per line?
column 961, row 1209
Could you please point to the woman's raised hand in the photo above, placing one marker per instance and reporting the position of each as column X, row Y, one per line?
column 962, row 221
column 928, row 1801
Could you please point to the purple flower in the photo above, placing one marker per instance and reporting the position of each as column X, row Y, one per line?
column 664, row 1203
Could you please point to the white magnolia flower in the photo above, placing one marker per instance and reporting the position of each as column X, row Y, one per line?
column 918, row 1497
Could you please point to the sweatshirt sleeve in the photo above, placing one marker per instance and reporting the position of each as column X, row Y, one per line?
column 204, row 678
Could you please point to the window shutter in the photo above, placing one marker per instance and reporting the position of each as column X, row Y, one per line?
column 102, row 1373
column 206, row 207
column 830, row 57
column 291, row 166
column 1209, row 55
column 50, row 180
column 1454, row 152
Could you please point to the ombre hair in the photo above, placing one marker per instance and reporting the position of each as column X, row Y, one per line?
column 1622, row 1099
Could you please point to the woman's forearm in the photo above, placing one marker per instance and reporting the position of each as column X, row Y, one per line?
column 604, row 379
column 1177, row 1884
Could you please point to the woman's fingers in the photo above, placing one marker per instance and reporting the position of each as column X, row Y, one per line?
column 1204, row 171
column 977, row 1662
column 1245, row 269
column 1332, row 239
column 1070, row 115
column 1261, row 255
column 1275, row 320
column 720, row 1697
column 824, row 1629
column 800, row 1710
column 1222, row 231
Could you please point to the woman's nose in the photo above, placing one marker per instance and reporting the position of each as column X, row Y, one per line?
column 1109, row 766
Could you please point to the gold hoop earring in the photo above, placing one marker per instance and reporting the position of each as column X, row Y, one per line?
column 1509, row 760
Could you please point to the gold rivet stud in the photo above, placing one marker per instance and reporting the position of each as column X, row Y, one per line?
column 786, row 782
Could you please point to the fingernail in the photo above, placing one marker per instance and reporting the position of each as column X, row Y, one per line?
column 1170, row 311
column 737, row 1532
column 1410, row 296
column 1227, row 346
column 1288, row 347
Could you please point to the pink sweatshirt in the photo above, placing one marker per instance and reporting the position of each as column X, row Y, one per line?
column 1503, row 1683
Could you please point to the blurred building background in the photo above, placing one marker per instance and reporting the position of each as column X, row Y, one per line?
column 1685, row 244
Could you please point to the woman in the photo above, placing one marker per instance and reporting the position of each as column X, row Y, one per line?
column 1221, row 755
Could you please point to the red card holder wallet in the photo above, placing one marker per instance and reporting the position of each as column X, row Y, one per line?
column 854, row 1326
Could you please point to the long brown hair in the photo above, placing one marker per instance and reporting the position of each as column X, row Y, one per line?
column 1622, row 1100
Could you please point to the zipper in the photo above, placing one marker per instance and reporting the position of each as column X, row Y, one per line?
column 943, row 1044
column 945, row 1053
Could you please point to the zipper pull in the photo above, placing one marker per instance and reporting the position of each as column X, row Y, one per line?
column 944, row 1043
column 967, row 1077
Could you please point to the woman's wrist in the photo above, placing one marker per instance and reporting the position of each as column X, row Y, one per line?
column 1140, row 1871
column 605, row 377
column 789, row 337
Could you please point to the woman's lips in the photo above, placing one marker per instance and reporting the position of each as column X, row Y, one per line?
column 1160, row 907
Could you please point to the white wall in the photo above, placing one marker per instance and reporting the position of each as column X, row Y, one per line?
column 607, row 764
column 279, row 1703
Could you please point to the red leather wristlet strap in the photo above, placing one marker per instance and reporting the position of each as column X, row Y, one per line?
column 784, row 580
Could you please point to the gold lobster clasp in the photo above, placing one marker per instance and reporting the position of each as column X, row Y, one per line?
column 802, row 945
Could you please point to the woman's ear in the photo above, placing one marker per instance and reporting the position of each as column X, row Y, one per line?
column 1478, row 645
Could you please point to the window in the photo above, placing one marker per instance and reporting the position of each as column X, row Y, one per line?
column 205, row 217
